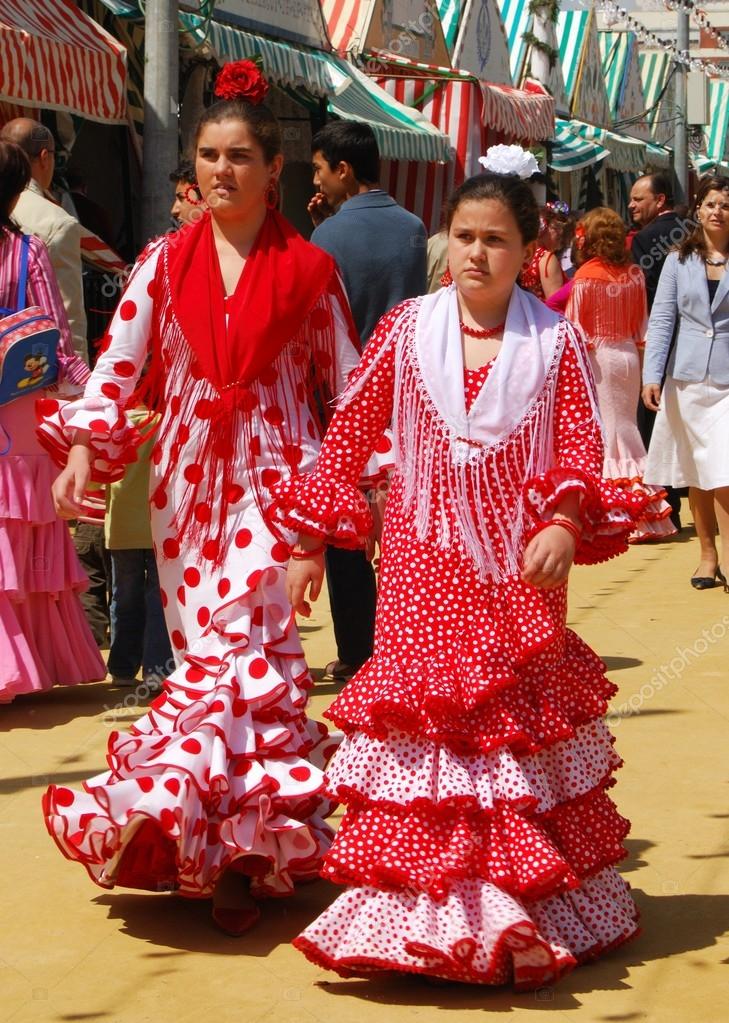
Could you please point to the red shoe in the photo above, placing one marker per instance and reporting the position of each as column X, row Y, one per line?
column 236, row 922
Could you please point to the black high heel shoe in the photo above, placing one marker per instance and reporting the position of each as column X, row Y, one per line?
column 708, row 582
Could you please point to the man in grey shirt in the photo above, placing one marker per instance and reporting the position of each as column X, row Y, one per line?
column 381, row 252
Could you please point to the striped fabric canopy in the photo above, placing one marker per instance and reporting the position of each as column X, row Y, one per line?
column 658, row 156
column 55, row 57
column 615, row 50
column 402, row 133
column 517, row 20
column 347, row 22
column 450, row 17
column 719, row 114
column 571, row 152
column 657, row 73
column 704, row 165
column 572, row 31
column 624, row 153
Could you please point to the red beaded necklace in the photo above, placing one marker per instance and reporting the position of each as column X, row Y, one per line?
column 481, row 334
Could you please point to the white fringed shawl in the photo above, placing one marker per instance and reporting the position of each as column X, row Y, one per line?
column 455, row 465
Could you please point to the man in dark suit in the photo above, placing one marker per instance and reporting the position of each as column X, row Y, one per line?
column 381, row 251
column 660, row 229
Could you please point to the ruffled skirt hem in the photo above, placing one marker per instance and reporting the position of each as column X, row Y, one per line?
column 477, row 934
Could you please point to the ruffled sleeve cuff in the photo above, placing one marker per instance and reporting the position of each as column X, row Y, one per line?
column 608, row 514
column 114, row 441
column 381, row 463
column 331, row 510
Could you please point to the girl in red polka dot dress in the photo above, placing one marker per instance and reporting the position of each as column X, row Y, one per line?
column 479, row 843
column 215, row 791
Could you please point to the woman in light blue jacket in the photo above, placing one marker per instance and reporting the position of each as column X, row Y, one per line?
column 688, row 346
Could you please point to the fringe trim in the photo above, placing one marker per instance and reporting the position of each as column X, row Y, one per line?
column 226, row 430
column 461, row 492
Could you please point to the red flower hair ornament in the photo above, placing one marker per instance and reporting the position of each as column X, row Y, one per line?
column 241, row 79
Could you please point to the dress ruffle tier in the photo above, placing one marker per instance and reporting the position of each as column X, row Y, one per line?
column 44, row 637
column 479, row 843
column 220, row 773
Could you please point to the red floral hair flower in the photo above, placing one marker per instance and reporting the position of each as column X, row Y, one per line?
column 241, row 79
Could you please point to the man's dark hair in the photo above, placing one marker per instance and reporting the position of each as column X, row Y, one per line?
column 353, row 143
column 661, row 184
column 184, row 171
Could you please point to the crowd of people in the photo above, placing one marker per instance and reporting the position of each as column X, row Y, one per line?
column 265, row 412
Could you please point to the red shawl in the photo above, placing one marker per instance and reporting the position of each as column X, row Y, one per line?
column 283, row 295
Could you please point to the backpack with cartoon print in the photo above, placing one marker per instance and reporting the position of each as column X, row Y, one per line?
column 29, row 341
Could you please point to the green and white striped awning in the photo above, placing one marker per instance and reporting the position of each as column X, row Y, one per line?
column 615, row 51
column 704, row 165
column 571, row 31
column 658, row 156
column 450, row 18
column 402, row 133
column 655, row 66
column 571, row 152
column 718, row 115
column 625, row 153
column 517, row 20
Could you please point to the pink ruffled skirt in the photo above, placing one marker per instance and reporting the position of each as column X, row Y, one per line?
column 44, row 637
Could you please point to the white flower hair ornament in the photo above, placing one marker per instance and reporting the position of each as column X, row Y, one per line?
column 510, row 160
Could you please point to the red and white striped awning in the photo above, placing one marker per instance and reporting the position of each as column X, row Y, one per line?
column 54, row 56
column 473, row 114
column 526, row 114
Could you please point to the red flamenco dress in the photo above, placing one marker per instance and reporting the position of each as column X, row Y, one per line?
column 225, row 768
column 479, row 843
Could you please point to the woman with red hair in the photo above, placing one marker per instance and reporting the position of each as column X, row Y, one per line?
column 608, row 302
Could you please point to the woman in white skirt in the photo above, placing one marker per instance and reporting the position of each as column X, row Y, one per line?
column 687, row 379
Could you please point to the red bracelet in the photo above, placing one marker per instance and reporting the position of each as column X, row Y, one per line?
column 566, row 524
column 299, row 554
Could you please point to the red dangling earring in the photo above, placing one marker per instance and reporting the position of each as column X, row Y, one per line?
column 270, row 196
column 192, row 195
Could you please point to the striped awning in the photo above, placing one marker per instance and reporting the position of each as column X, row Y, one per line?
column 624, row 153
column 283, row 63
column 655, row 66
column 55, row 57
column 523, row 114
column 450, row 17
column 615, row 50
column 705, row 165
column 719, row 113
column 402, row 133
column 572, row 152
column 517, row 20
column 347, row 22
column 658, row 156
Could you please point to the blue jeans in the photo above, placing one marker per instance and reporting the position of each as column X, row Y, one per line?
column 138, row 631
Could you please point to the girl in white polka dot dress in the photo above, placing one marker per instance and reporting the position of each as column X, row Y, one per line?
column 214, row 792
column 479, row 843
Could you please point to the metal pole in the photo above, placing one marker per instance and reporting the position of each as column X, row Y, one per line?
column 680, row 151
column 161, row 78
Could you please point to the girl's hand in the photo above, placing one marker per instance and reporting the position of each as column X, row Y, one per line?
column 652, row 396
column 548, row 558
column 69, row 486
column 305, row 572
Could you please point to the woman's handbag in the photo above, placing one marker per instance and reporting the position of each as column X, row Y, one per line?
column 29, row 341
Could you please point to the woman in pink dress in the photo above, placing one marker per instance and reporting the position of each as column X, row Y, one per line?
column 479, row 842
column 608, row 302
column 44, row 637
column 213, row 793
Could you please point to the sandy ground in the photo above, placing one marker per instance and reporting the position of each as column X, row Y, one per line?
column 72, row 952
